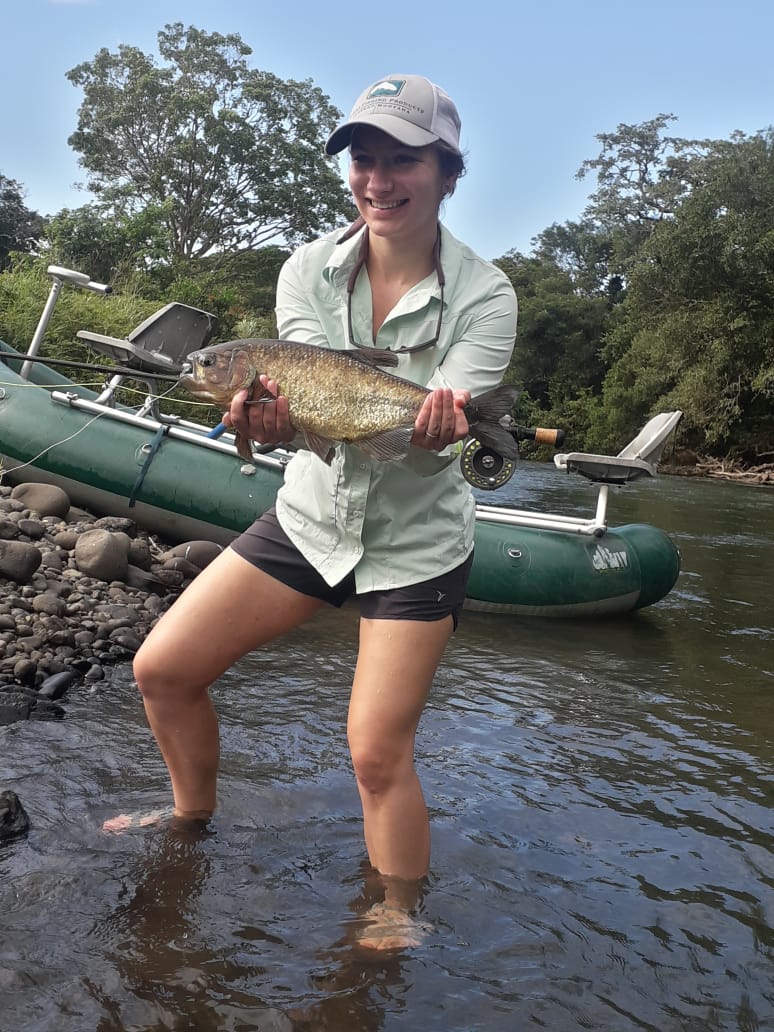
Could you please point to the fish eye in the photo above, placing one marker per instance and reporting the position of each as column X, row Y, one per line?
column 207, row 361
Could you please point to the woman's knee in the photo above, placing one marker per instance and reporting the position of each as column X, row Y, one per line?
column 159, row 674
column 380, row 765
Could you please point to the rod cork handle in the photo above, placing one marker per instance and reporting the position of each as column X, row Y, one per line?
column 543, row 435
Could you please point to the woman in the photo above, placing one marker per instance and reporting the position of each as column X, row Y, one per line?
column 399, row 535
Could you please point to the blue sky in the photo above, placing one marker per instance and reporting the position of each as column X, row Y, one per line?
column 534, row 82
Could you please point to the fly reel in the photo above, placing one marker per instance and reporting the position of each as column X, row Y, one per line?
column 484, row 468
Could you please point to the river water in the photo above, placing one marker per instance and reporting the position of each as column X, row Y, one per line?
column 601, row 799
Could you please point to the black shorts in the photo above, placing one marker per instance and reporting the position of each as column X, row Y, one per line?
column 266, row 545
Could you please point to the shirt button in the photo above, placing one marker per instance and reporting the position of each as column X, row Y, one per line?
column 362, row 465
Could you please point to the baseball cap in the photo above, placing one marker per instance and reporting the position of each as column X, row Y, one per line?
column 408, row 107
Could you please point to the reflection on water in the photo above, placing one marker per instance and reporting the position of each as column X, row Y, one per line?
column 601, row 798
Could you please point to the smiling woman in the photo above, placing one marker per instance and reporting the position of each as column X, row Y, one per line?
column 398, row 534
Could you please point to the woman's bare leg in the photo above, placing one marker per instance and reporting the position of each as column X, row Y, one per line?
column 230, row 609
column 395, row 669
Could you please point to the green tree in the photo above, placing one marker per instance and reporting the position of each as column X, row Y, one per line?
column 696, row 331
column 108, row 246
column 642, row 177
column 556, row 358
column 583, row 250
column 20, row 228
column 225, row 155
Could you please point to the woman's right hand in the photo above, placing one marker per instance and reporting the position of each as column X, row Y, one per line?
column 266, row 422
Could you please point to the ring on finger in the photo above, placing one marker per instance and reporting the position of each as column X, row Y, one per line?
column 432, row 437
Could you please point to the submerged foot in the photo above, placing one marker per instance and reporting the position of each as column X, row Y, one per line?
column 127, row 821
column 390, row 928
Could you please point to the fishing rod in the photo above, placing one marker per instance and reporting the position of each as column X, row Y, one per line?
column 538, row 434
column 112, row 370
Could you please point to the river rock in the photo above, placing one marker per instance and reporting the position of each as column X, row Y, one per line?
column 46, row 499
column 140, row 553
column 14, row 822
column 182, row 566
column 56, row 685
column 126, row 639
column 117, row 524
column 8, row 530
column 24, row 671
column 65, row 539
column 49, row 602
column 33, row 529
column 51, row 562
column 170, row 578
column 18, row 560
column 101, row 554
column 199, row 553
column 144, row 580
column 9, row 505
column 14, row 706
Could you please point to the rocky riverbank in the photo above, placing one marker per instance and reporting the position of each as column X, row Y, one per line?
column 78, row 593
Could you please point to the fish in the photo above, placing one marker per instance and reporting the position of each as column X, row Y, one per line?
column 337, row 397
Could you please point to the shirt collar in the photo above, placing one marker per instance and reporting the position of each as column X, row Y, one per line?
column 346, row 255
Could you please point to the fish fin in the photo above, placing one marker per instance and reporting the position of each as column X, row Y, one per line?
column 243, row 447
column 388, row 444
column 323, row 447
column 484, row 415
column 375, row 357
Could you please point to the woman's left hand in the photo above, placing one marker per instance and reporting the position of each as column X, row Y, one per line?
column 441, row 421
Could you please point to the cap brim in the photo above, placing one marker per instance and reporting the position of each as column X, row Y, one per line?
column 398, row 128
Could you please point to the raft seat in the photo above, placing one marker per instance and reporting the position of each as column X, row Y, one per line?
column 159, row 345
column 638, row 459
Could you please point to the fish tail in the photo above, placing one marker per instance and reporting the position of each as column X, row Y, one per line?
column 484, row 414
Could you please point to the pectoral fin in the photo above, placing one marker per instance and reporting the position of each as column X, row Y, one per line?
column 243, row 447
column 323, row 447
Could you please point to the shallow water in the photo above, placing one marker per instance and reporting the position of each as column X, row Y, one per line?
column 601, row 799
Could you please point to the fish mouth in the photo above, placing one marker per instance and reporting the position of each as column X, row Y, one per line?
column 193, row 386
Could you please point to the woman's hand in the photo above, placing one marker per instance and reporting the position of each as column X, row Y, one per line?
column 267, row 422
column 441, row 421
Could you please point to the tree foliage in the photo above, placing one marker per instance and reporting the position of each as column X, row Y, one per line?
column 109, row 245
column 225, row 156
column 697, row 326
column 642, row 177
column 20, row 228
column 660, row 297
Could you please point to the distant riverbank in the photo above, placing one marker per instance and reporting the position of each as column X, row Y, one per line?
column 687, row 464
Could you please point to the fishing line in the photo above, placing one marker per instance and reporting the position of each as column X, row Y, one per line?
column 51, row 386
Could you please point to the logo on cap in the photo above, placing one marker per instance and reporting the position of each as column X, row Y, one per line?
column 386, row 88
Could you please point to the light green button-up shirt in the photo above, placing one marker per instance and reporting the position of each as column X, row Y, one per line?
column 402, row 522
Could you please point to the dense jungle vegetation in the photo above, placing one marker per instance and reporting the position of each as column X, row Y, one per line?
column 206, row 172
